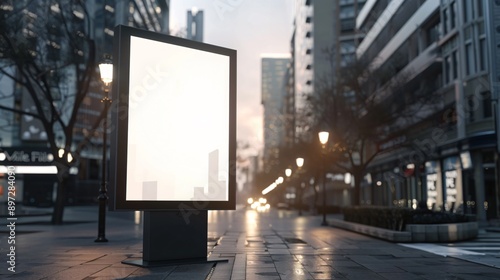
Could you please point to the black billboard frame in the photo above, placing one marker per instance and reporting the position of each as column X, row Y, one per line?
column 119, row 125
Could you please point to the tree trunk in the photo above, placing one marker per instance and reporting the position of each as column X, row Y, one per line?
column 58, row 212
column 358, row 178
column 315, row 194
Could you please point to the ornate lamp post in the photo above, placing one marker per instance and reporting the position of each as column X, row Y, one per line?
column 300, row 162
column 106, row 70
column 288, row 173
column 323, row 139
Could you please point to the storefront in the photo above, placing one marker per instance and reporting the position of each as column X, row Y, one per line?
column 462, row 183
column 35, row 175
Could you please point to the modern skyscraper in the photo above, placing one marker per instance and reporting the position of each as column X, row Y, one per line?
column 324, row 40
column 274, row 92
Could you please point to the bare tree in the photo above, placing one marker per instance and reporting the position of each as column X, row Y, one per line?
column 45, row 49
column 361, row 106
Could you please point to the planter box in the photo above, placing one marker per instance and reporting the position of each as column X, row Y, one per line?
column 442, row 232
column 414, row 232
column 382, row 233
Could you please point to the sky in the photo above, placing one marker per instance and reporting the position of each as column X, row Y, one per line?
column 253, row 28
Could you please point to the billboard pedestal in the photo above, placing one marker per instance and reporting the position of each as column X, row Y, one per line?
column 174, row 237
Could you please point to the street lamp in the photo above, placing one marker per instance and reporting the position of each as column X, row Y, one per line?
column 300, row 162
column 280, row 180
column 106, row 70
column 323, row 139
column 288, row 172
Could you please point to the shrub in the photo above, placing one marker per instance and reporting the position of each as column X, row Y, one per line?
column 395, row 218
column 430, row 217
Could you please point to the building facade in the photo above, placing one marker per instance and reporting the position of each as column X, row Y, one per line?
column 324, row 40
column 274, row 92
column 314, row 39
column 23, row 139
column 448, row 158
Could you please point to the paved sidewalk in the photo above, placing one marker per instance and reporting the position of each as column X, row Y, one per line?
column 273, row 245
column 292, row 247
column 66, row 252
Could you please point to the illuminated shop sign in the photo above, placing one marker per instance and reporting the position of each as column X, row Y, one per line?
column 18, row 156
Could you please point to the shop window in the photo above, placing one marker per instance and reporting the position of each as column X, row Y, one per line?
column 452, row 184
column 93, row 169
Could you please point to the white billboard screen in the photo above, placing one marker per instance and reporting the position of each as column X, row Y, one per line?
column 179, row 126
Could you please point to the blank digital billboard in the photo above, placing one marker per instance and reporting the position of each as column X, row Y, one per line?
column 174, row 142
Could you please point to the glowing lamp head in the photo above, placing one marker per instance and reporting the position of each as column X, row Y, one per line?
column 288, row 172
column 280, row 180
column 300, row 162
column 323, row 137
column 106, row 70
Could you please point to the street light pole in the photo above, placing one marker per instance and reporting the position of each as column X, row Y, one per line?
column 323, row 139
column 300, row 162
column 106, row 70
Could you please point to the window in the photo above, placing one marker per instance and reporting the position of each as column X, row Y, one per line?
column 347, row 24
column 479, row 8
column 449, row 17
column 432, row 33
column 347, row 12
column 445, row 20
column 470, row 66
column 468, row 10
column 487, row 110
column 482, row 54
column 450, row 67
column 471, row 104
column 347, row 47
column 453, row 12
column 454, row 61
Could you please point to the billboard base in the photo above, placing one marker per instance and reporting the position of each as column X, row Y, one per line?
column 174, row 237
column 145, row 264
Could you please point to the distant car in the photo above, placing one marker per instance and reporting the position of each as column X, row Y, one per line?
column 282, row 205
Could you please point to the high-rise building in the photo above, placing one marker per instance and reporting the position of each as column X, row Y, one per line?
column 313, row 37
column 448, row 159
column 324, row 39
column 274, row 92
column 194, row 28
